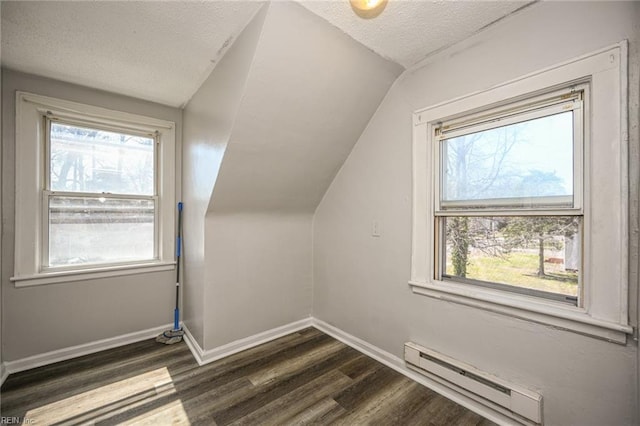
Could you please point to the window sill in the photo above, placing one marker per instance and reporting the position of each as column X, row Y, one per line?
column 58, row 277
column 550, row 313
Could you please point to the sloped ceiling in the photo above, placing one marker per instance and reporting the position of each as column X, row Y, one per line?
column 310, row 92
column 163, row 51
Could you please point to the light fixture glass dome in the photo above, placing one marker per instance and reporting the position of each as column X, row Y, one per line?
column 368, row 9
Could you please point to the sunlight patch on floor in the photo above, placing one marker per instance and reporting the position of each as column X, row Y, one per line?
column 107, row 401
column 172, row 413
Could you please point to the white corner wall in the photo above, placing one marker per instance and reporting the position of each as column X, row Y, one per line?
column 310, row 92
column 360, row 281
column 208, row 120
column 45, row 318
column 260, row 274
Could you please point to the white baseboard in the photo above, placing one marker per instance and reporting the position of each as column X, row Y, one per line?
column 399, row 365
column 206, row 356
column 192, row 344
column 28, row 363
column 3, row 373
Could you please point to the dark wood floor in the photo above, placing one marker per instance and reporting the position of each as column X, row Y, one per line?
column 303, row 378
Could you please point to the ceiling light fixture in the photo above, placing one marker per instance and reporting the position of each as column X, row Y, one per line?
column 368, row 9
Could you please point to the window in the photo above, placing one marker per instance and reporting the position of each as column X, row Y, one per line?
column 508, row 196
column 520, row 198
column 100, row 196
column 95, row 192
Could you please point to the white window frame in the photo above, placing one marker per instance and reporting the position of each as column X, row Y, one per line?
column 603, row 311
column 31, row 208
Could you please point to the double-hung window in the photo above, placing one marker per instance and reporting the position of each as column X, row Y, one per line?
column 508, row 196
column 95, row 192
column 100, row 196
column 520, row 198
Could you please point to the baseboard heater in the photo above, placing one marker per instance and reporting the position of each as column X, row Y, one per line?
column 515, row 399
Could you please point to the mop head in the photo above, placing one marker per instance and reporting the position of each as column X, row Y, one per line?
column 170, row 337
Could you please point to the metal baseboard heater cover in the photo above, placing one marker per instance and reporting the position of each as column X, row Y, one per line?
column 515, row 399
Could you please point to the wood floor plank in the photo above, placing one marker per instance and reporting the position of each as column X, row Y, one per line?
column 411, row 411
column 271, row 391
column 323, row 412
column 305, row 377
column 366, row 387
column 444, row 412
column 281, row 410
column 360, row 367
column 202, row 406
column 287, row 366
column 377, row 406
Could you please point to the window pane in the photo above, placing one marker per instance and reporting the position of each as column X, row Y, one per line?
column 99, row 230
column 533, row 252
column 91, row 160
column 497, row 167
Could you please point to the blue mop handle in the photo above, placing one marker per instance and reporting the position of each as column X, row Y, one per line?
column 176, row 311
column 179, row 237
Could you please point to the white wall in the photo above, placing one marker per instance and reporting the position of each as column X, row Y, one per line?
column 310, row 92
column 309, row 95
column 259, row 269
column 208, row 119
column 360, row 282
column 49, row 317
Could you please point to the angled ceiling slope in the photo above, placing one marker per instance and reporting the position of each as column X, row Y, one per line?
column 408, row 31
column 153, row 50
column 310, row 92
column 209, row 116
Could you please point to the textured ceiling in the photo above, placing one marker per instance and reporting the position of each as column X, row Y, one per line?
column 159, row 51
column 408, row 31
column 163, row 51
